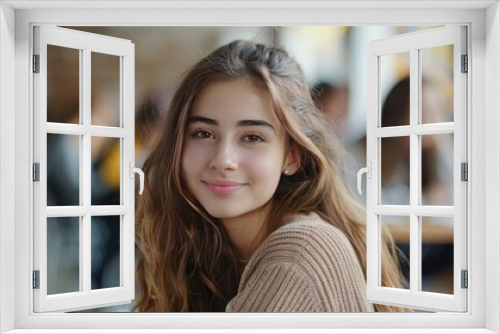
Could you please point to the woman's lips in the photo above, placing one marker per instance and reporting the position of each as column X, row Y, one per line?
column 223, row 187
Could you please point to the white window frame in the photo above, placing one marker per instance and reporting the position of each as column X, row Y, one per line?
column 413, row 44
column 16, row 126
column 86, row 44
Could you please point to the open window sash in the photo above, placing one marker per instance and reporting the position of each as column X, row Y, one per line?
column 84, row 297
column 414, row 297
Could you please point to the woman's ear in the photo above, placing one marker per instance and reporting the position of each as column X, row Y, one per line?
column 292, row 160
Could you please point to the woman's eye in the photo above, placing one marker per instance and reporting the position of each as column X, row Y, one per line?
column 253, row 139
column 202, row 134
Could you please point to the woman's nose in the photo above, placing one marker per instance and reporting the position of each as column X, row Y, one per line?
column 224, row 157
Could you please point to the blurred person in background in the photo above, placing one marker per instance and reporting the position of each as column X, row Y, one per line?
column 147, row 124
column 334, row 102
column 436, row 160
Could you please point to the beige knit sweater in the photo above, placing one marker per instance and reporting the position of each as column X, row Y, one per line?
column 307, row 265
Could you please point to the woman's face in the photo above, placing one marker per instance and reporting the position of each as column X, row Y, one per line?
column 234, row 149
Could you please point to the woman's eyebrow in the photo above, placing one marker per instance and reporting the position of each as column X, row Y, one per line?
column 201, row 119
column 252, row 122
column 246, row 122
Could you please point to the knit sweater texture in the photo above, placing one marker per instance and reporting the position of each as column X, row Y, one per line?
column 307, row 265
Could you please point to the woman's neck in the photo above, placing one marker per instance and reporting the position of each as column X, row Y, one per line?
column 243, row 232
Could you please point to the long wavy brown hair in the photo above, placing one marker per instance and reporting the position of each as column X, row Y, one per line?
column 185, row 259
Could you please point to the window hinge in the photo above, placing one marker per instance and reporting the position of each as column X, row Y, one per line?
column 36, row 279
column 465, row 64
column 36, row 63
column 465, row 279
column 465, row 172
column 36, row 172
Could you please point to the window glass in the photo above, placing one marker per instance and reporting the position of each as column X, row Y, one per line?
column 63, row 85
column 63, row 255
column 395, row 170
column 63, row 170
column 437, row 169
column 105, row 252
column 105, row 90
column 105, row 170
column 437, row 85
column 395, row 98
column 437, row 254
column 399, row 227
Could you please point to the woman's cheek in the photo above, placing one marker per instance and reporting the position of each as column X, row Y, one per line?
column 197, row 160
column 190, row 158
column 265, row 165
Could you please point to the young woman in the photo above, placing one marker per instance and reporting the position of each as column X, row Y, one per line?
column 244, row 207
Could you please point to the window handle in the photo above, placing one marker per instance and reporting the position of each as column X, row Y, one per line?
column 133, row 170
column 367, row 170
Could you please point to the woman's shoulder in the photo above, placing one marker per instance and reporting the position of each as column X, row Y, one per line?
column 307, row 230
column 304, row 238
column 318, row 255
column 305, row 223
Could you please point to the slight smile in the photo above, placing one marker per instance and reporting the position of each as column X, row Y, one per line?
column 223, row 187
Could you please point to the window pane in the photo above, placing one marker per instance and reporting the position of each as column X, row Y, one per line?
column 63, row 170
column 63, row 255
column 395, row 89
column 63, row 85
column 395, row 170
column 105, row 252
column 437, row 254
column 437, row 84
column 399, row 228
column 437, row 169
column 105, row 172
column 105, row 90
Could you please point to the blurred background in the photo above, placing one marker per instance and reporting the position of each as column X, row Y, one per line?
column 334, row 62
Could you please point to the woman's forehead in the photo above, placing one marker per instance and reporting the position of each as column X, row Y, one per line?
column 234, row 100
